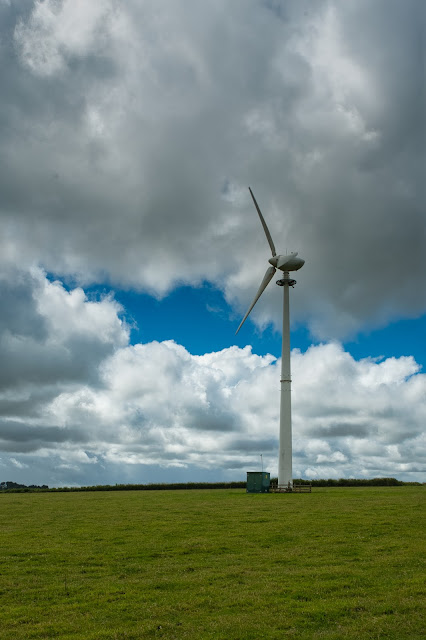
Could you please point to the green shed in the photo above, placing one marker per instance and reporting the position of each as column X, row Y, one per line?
column 258, row 482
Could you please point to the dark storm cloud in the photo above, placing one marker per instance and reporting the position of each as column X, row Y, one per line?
column 16, row 436
column 27, row 400
column 253, row 446
column 18, row 309
column 213, row 419
column 35, row 362
column 119, row 136
column 342, row 430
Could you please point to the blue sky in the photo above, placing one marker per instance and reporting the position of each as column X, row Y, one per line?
column 130, row 248
column 175, row 316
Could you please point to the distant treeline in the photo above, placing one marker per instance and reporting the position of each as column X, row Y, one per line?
column 356, row 482
column 14, row 487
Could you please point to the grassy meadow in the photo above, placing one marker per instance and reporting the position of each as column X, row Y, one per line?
column 339, row 563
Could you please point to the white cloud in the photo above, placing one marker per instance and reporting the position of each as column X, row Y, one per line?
column 59, row 29
column 18, row 464
column 336, row 456
column 156, row 404
column 70, row 314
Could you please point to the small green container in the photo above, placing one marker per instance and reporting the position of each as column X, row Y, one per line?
column 258, row 482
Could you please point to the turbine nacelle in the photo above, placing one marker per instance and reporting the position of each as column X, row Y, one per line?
column 287, row 263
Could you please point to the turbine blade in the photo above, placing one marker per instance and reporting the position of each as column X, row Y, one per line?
column 266, row 280
column 265, row 228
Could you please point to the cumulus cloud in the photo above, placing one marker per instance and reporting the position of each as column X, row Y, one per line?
column 56, row 31
column 132, row 131
column 50, row 339
column 82, row 400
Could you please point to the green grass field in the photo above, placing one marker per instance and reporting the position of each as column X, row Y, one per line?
column 336, row 563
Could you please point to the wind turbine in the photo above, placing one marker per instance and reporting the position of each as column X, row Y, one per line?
column 285, row 263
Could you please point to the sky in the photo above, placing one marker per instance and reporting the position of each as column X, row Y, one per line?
column 130, row 248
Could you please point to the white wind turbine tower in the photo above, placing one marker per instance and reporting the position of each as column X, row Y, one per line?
column 285, row 263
